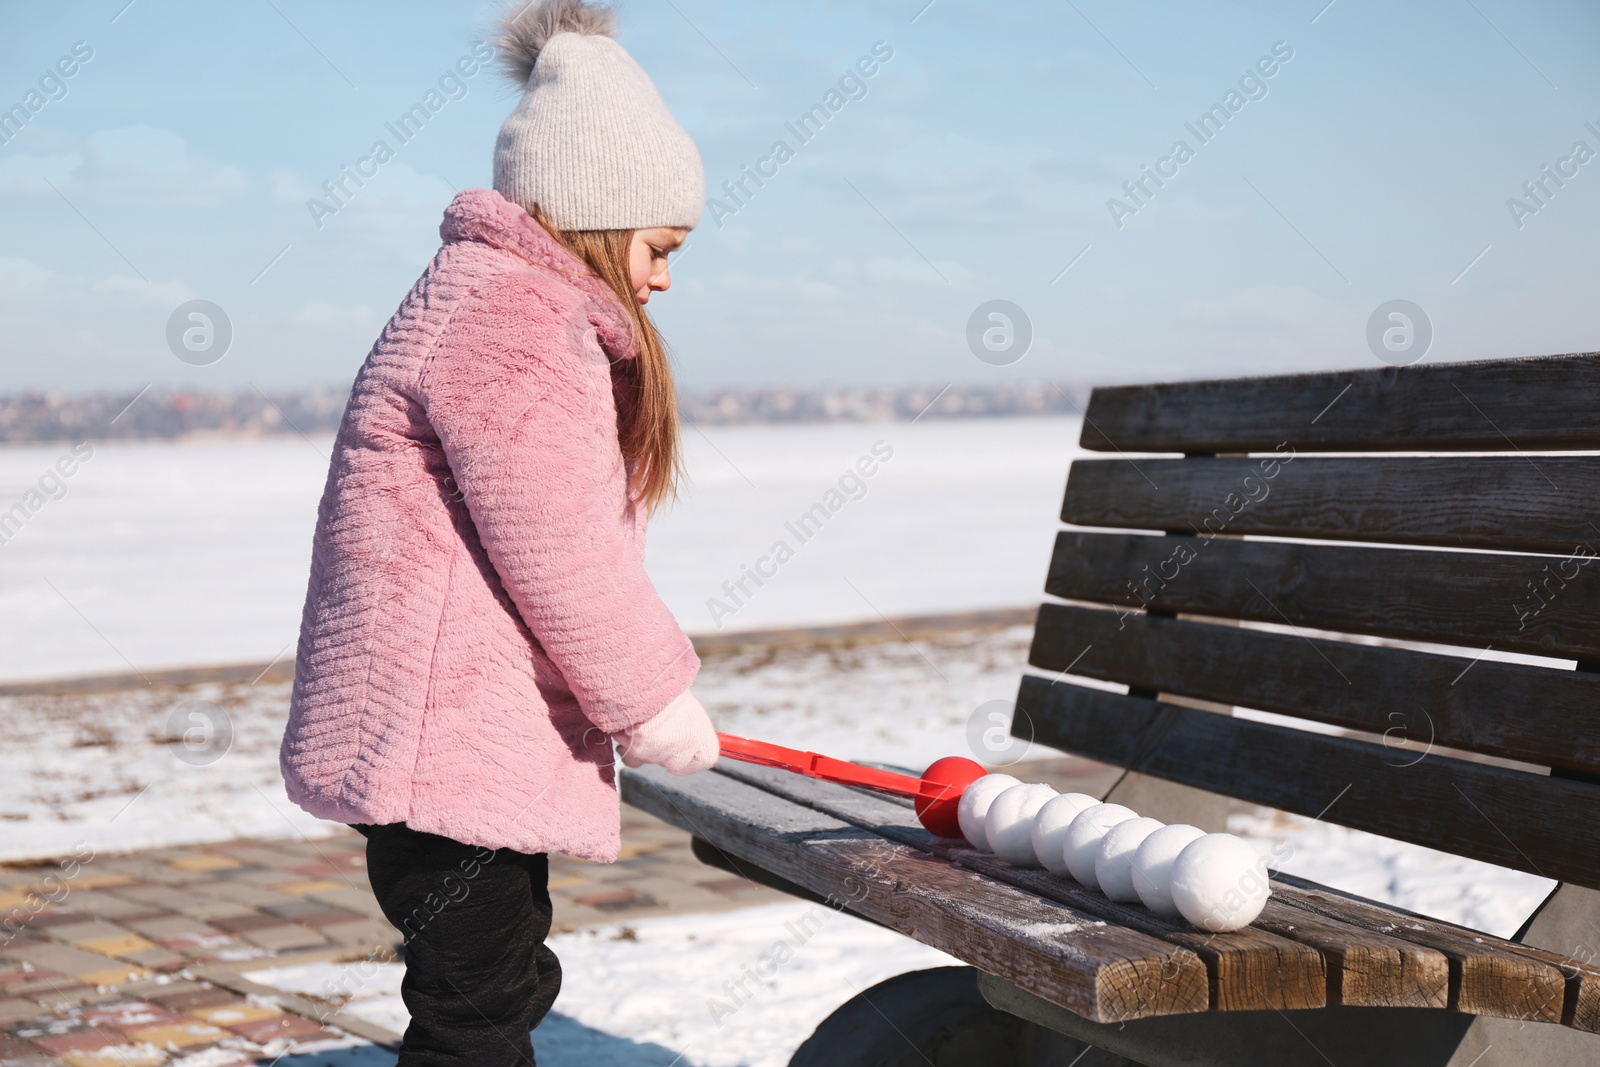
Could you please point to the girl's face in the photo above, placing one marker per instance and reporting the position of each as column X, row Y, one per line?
column 647, row 259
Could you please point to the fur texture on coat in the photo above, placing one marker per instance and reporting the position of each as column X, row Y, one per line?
column 478, row 618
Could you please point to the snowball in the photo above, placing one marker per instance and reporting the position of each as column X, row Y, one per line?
column 1219, row 883
column 1152, row 865
column 1113, row 864
column 1008, row 826
column 1082, row 841
column 975, row 803
column 1049, row 833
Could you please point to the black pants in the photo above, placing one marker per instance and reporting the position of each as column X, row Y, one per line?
column 479, row 976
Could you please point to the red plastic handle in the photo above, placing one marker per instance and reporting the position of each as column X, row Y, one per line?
column 828, row 769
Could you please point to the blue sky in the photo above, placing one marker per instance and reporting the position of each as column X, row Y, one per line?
column 979, row 164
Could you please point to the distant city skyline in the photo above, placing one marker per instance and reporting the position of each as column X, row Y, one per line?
column 150, row 414
column 229, row 197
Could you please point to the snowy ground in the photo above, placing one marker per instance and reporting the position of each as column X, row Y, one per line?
column 103, row 768
column 164, row 554
column 662, row 992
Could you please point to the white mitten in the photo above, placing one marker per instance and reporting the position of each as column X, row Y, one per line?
column 679, row 738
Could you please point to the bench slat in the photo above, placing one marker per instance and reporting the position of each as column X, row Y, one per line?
column 1293, row 964
column 1530, row 822
column 1535, row 714
column 1478, row 981
column 1542, row 403
column 1099, row 971
column 1365, row 968
column 1474, row 979
column 1459, row 598
column 1533, row 504
column 1522, row 504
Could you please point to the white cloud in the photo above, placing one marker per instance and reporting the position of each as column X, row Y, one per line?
column 24, row 282
column 27, row 174
column 127, row 169
column 393, row 219
column 144, row 146
column 79, row 327
column 288, row 187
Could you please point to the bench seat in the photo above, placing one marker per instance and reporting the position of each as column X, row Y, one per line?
column 1107, row 962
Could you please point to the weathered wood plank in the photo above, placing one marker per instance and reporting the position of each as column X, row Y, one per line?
column 1488, row 976
column 1535, row 714
column 1524, row 504
column 1490, row 406
column 1509, row 503
column 1365, row 968
column 1457, row 598
column 1251, row 969
column 1518, row 819
column 1069, row 957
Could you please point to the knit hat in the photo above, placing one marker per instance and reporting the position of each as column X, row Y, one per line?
column 591, row 142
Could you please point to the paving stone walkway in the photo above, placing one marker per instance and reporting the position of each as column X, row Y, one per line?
column 139, row 958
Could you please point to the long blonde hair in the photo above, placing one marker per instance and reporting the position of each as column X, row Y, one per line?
column 647, row 400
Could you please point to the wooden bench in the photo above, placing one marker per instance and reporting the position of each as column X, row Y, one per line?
column 1243, row 590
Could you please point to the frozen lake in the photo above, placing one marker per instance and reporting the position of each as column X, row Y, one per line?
column 180, row 554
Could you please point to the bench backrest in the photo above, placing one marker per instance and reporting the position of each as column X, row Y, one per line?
column 1476, row 536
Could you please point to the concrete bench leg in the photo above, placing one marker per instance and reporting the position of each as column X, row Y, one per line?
column 938, row 1017
column 1347, row 1037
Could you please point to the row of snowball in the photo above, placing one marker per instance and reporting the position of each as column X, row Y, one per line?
column 1216, row 881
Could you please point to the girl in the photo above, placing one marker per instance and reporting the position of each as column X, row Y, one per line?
column 479, row 628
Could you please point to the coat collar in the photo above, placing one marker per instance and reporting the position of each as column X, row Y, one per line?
column 486, row 216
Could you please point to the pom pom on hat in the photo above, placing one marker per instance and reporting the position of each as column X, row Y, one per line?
column 527, row 27
column 591, row 143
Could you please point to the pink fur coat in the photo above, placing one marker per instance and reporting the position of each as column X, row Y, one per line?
column 478, row 618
